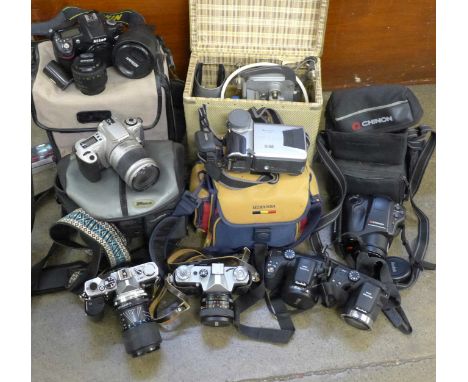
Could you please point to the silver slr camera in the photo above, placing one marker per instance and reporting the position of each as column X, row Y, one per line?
column 276, row 83
column 120, row 146
column 126, row 290
column 217, row 283
column 264, row 147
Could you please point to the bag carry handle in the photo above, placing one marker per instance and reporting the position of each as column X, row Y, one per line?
column 126, row 16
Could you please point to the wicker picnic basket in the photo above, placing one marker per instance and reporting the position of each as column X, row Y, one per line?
column 236, row 33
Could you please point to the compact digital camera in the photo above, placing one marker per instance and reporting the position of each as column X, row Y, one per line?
column 369, row 223
column 301, row 281
column 132, row 52
column 217, row 283
column 120, row 146
column 263, row 147
column 125, row 289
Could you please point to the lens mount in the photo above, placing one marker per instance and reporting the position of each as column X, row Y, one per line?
column 358, row 319
column 217, row 309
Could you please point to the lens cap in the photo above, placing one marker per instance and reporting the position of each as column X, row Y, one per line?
column 400, row 269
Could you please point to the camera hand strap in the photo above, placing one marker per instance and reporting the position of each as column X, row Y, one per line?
column 378, row 268
column 102, row 238
column 126, row 16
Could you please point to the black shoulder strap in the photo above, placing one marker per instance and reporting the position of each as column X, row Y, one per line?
column 420, row 151
column 243, row 302
column 324, row 155
column 102, row 238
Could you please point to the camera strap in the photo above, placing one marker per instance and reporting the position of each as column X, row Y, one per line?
column 277, row 306
column 378, row 268
column 102, row 238
column 323, row 154
column 126, row 16
column 421, row 145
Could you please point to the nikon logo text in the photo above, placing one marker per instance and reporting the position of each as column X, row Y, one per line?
column 143, row 203
column 97, row 40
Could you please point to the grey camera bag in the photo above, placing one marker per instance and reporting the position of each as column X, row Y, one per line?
column 120, row 213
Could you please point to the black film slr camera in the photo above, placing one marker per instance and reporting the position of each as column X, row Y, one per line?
column 126, row 290
column 217, row 283
column 132, row 52
column 369, row 224
column 301, row 281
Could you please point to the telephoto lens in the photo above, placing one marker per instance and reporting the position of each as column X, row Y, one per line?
column 134, row 54
column 89, row 73
column 140, row 333
column 217, row 309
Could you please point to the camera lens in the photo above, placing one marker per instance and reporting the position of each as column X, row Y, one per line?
column 140, row 332
column 135, row 52
column 363, row 306
column 89, row 74
column 134, row 166
column 217, row 309
column 145, row 177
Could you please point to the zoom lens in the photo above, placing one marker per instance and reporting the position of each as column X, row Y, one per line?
column 363, row 306
column 140, row 333
column 89, row 74
column 217, row 309
column 145, row 176
column 134, row 54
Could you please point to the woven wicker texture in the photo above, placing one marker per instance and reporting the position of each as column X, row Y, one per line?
column 264, row 26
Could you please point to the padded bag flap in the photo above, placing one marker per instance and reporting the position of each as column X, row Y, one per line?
column 287, row 200
column 57, row 109
column 110, row 199
column 373, row 109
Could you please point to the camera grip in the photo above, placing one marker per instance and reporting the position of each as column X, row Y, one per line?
column 90, row 170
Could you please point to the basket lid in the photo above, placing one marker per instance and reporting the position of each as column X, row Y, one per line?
column 280, row 27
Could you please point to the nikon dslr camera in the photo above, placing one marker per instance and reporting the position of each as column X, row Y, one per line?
column 217, row 283
column 301, row 281
column 125, row 289
column 132, row 52
column 120, row 146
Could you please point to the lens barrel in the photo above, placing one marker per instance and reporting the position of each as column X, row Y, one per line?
column 140, row 333
column 363, row 307
column 134, row 54
column 89, row 74
column 217, row 309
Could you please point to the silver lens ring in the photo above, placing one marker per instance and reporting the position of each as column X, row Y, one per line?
column 358, row 319
column 135, row 170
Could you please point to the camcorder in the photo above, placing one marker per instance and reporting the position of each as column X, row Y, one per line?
column 126, row 290
column 301, row 281
column 216, row 282
column 120, row 146
column 254, row 147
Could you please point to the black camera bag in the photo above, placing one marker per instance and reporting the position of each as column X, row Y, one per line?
column 374, row 137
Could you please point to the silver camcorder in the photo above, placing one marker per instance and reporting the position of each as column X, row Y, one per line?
column 126, row 289
column 263, row 147
column 217, row 282
column 120, row 146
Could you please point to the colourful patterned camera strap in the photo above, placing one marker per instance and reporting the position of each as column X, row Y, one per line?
column 110, row 239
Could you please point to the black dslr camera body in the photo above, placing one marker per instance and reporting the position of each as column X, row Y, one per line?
column 132, row 52
column 369, row 224
column 301, row 281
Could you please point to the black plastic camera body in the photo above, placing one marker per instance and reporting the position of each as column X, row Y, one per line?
column 89, row 32
column 296, row 278
column 132, row 52
column 369, row 223
column 360, row 297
